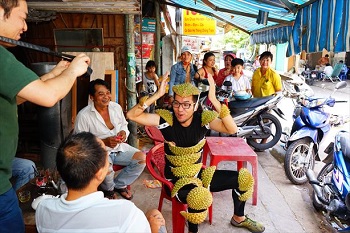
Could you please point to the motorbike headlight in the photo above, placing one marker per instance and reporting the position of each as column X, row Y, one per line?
column 313, row 103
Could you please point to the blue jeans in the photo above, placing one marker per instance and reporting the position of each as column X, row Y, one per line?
column 127, row 175
column 22, row 171
column 11, row 219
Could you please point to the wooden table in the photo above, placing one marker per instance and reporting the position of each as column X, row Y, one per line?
column 232, row 149
column 27, row 210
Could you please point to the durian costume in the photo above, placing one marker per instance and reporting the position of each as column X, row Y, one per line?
column 192, row 183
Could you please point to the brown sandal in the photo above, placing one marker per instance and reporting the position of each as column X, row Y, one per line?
column 110, row 194
column 124, row 192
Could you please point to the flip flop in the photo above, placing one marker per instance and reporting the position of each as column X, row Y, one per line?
column 124, row 192
column 110, row 194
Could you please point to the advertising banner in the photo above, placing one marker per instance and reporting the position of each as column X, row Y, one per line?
column 194, row 23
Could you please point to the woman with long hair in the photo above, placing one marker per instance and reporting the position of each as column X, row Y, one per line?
column 207, row 68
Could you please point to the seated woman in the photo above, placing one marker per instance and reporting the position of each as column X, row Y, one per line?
column 207, row 68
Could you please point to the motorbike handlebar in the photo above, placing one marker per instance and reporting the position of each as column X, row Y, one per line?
column 341, row 101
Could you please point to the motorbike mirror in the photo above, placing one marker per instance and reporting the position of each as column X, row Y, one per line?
column 227, row 83
column 341, row 85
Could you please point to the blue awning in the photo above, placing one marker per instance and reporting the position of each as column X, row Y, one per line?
column 309, row 25
column 244, row 14
column 321, row 25
column 276, row 35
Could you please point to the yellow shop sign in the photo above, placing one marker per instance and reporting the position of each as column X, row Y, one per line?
column 194, row 23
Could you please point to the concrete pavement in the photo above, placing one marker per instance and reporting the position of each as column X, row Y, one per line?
column 282, row 207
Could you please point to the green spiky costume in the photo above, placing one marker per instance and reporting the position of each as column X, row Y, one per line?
column 192, row 184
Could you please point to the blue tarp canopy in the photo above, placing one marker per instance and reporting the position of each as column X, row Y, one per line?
column 323, row 24
column 244, row 14
column 318, row 23
column 277, row 35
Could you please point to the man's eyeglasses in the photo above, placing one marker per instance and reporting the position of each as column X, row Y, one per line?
column 185, row 105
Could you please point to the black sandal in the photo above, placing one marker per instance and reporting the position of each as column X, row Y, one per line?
column 110, row 194
column 124, row 192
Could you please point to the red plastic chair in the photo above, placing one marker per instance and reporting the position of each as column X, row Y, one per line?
column 154, row 133
column 155, row 162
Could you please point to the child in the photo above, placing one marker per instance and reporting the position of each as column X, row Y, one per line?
column 150, row 81
column 238, row 80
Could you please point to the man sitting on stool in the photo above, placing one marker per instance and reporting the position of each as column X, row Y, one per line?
column 106, row 120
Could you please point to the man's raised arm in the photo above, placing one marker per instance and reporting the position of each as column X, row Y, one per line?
column 137, row 113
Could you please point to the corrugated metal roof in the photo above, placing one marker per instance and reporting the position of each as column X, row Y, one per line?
column 243, row 13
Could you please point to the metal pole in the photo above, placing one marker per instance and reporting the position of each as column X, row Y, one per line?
column 130, row 80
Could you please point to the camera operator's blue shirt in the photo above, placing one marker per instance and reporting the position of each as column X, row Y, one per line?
column 178, row 75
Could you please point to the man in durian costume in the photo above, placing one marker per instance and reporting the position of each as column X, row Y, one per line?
column 184, row 131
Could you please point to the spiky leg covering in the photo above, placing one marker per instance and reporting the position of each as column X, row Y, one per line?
column 245, row 184
column 185, row 167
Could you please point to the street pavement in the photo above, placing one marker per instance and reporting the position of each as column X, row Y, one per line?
column 282, row 206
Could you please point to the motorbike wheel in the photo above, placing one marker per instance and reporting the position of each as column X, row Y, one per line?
column 294, row 164
column 274, row 124
column 310, row 81
column 322, row 176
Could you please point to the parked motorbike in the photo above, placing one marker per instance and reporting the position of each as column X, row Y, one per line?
column 331, row 189
column 295, row 85
column 310, row 76
column 256, row 124
column 311, row 124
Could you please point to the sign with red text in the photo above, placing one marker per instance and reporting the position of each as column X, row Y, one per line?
column 192, row 42
column 194, row 23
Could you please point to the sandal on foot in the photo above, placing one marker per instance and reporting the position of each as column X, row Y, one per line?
column 124, row 192
column 249, row 224
column 110, row 194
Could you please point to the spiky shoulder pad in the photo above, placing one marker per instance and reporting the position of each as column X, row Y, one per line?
column 166, row 115
column 208, row 116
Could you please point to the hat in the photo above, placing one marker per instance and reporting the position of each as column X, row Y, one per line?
column 186, row 49
column 185, row 89
column 230, row 55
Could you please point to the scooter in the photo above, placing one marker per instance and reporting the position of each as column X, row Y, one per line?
column 310, row 76
column 256, row 124
column 331, row 189
column 311, row 124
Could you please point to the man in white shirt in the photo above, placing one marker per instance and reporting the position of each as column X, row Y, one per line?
column 106, row 120
column 328, row 70
column 82, row 161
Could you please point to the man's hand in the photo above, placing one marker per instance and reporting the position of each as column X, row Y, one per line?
column 59, row 68
column 121, row 136
column 162, row 88
column 113, row 141
column 156, row 220
column 78, row 66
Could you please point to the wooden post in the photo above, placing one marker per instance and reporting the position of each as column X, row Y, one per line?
column 130, row 72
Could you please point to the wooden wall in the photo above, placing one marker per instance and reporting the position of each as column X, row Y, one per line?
column 113, row 35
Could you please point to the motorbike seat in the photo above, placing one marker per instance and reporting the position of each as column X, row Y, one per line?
column 242, row 106
column 345, row 143
column 249, row 103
